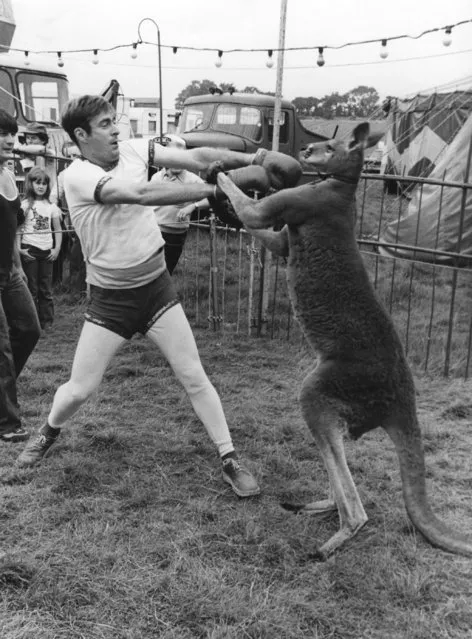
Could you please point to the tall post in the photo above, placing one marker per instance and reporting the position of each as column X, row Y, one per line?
column 161, row 106
column 266, row 256
column 280, row 72
column 215, row 317
column 161, row 133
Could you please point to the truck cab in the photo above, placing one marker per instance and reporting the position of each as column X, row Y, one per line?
column 242, row 122
column 34, row 94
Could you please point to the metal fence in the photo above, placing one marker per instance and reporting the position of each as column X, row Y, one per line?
column 227, row 283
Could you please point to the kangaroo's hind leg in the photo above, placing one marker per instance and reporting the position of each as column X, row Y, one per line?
column 322, row 414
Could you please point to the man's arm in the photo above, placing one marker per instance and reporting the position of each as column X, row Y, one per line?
column 30, row 149
column 199, row 160
column 115, row 191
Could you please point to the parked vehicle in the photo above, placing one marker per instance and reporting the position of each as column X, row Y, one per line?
column 242, row 122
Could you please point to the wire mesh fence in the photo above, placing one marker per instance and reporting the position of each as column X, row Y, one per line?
column 227, row 283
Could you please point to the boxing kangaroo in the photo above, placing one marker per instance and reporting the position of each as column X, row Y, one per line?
column 361, row 379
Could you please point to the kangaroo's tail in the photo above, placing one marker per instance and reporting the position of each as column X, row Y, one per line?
column 406, row 436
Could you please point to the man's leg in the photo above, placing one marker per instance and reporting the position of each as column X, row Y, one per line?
column 10, row 422
column 174, row 244
column 95, row 349
column 174, row 337
column 19, row 333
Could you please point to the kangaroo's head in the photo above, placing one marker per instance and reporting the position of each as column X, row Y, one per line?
column 341, row 158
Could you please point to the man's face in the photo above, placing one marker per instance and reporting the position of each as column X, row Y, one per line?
column 7, row 140
column 100, row 146
column 32, row 138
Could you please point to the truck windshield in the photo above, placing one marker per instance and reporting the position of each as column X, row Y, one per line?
column 238, row 119
column 244, row 121
column 42, row 96
column 195, row 117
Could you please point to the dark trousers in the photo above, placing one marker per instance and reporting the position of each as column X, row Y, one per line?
column 174, row 244
column 19, row 332
column 39, row 274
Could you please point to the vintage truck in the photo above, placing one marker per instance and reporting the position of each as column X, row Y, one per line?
column 242, row 122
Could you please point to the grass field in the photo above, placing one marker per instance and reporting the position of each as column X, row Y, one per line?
column 127, row 531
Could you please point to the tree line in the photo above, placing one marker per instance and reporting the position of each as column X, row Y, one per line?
column 360, row 102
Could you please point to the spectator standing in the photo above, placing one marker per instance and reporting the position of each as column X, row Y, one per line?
column 34, row 144
column 37, row 248
column 174, row 219
column 19, row 326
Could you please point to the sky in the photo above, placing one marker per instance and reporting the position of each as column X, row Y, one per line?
column 412, row 66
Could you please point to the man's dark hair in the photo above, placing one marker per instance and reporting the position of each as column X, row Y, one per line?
column 8, row 123
column 79, row 111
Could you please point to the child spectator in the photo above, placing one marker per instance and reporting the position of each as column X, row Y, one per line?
column 37, row 247
column 174, row 219
column 33, row 143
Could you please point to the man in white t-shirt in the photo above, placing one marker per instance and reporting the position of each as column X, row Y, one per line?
column 111, row 205
column 174, row 219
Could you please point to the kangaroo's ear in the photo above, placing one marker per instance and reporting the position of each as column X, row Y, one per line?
column 360, row 135
column 364, row 136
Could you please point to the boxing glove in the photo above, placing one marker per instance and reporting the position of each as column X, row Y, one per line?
column 283, row 170
column 247, row 178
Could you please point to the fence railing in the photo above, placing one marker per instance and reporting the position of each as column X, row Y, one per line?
column 222, row 283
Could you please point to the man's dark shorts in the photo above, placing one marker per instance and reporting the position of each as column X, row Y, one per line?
column 132, row 310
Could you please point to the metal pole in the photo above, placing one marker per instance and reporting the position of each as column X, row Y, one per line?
column 159, row 67
column 215, row 317
column 266, row 255
column 280, row 71
column 160, row 83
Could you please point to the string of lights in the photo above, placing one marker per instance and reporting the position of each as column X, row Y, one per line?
column 133, row 46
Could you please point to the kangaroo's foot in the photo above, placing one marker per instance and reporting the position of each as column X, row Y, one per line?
column 346, row 532
column 313, row 508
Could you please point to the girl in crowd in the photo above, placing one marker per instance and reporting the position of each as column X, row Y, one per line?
column 38, row 248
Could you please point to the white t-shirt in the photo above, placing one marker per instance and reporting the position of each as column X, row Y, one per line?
column 37, row 227
column 121, row 242
column 166, row 215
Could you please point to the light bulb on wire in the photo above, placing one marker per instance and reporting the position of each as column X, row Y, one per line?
column 269, row 61
column 383, row 50
column 134, row 52
column 27, row 58
column 321, row 61
column 219, row 61
column 95, row 59
column 60, row 61
column 447, row 37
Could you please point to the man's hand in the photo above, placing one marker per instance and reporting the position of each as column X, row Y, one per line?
column 185, row 213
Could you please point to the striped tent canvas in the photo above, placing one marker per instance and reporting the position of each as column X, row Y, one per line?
column 431, row 136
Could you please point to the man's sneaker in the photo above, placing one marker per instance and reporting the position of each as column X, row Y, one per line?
column 17, row 435
column 239, row 478
column 36, row 449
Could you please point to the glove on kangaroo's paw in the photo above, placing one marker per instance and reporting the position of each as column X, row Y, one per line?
column 283, row 170
column 213, row 170
column 247, row 178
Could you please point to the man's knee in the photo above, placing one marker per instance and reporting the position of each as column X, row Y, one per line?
column 79, row 393
column 194, row 378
